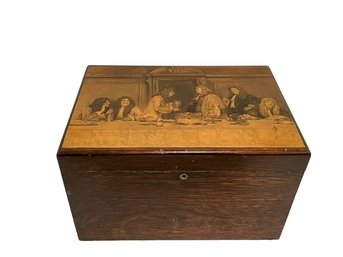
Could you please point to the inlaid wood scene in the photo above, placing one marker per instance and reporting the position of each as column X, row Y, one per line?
column 225, row 107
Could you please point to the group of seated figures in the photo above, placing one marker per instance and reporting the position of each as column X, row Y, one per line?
column 236, row 104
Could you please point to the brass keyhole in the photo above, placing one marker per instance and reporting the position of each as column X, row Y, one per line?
column 184, row 176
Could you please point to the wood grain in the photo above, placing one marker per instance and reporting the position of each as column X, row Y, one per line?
column 241, row 197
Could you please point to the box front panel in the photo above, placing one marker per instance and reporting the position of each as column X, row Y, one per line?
column 251, row 203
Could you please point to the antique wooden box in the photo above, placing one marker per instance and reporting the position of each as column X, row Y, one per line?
column 181, row 153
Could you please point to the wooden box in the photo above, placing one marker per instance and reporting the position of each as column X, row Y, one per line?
column 181, row 153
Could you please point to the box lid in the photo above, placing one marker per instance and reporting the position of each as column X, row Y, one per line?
column 192, row 109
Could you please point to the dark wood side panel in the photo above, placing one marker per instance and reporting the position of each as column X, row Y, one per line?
column 248, row 199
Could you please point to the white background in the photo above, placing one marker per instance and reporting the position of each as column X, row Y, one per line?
column 45, row 47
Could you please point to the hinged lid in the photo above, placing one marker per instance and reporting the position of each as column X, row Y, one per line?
column 130, row 109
